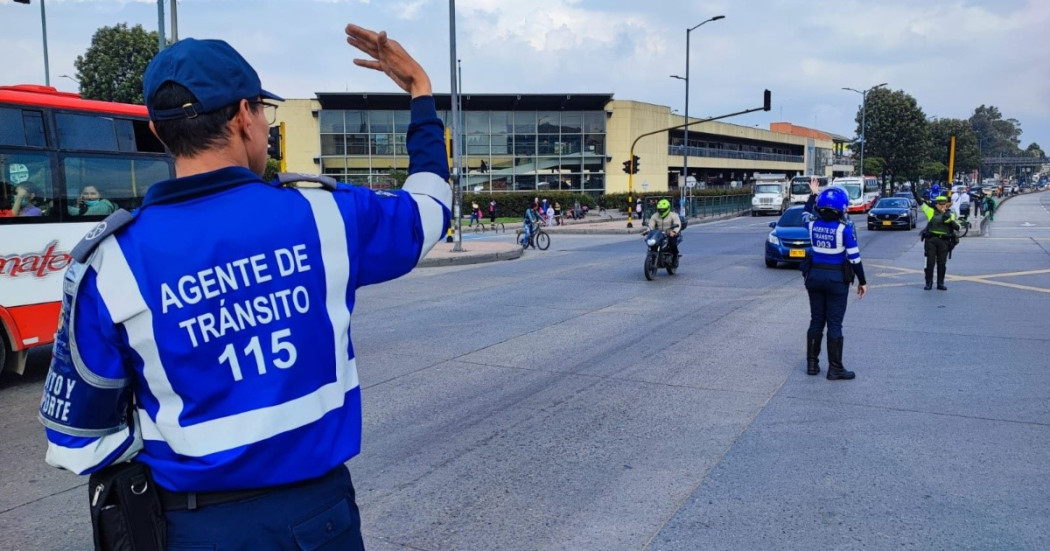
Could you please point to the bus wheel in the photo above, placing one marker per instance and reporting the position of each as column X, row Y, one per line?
column 10, row 360
column 4, row 352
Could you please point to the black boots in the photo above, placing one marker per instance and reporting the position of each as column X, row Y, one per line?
column 813, row 352
column 929, row 279
column 835, row 369
column 941, row 268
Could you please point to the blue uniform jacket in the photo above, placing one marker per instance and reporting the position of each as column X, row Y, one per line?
column 833, row 242
column 210, row 338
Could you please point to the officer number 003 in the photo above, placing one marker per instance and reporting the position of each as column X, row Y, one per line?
column 282, row 352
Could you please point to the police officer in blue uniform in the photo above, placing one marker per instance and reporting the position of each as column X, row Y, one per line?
column 207, row 335
column 829, row 273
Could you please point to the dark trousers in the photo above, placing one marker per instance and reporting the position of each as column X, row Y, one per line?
column 321, row 515
column 827, row 301
column 936, row 253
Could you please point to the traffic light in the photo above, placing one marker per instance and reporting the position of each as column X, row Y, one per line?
column 273, row 148
column 627, row 167
column 635, row 171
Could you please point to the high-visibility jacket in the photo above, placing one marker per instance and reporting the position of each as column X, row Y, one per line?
column 210, row 337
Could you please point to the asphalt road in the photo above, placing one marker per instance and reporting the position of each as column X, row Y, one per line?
column 561, row 401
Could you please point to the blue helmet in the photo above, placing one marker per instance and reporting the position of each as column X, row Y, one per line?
column 833, row 198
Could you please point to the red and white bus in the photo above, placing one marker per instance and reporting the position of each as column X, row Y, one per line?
column 863, row 191
column 54, row 146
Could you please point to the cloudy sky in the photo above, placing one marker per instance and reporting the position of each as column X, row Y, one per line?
column 951, row 55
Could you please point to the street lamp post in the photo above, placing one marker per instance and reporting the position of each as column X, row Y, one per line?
column 43, row 30
column 685, row 153
column 863, row 120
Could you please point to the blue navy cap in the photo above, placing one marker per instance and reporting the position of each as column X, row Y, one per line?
column 210, row 69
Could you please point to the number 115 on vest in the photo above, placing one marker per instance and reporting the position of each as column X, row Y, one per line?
column 281, row 354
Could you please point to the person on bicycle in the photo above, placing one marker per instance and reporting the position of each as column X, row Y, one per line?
column 666, row 220
column 961, row 203
column 530, row 223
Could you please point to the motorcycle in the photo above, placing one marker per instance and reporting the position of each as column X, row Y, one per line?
column 659, row 255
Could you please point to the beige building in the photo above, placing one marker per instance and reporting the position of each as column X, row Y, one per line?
column 528, row 142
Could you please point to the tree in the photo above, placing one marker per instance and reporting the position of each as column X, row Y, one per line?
column 967, row 153
column 273, row 166
column 896, row 132
column 112, row 67
column 398, row 176
column 997, row 137
column 1033, row 150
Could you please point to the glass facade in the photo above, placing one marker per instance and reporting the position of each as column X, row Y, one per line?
column 502, row 151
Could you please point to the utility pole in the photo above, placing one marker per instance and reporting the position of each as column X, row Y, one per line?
column 457, row 194
column 160, row 25
column 174, row 21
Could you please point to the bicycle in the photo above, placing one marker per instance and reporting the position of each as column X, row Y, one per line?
column 496, row 227
column 539, row 240
column 964, row 221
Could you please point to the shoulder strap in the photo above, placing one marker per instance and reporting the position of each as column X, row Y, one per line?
column 104, row 229
column 291, row 179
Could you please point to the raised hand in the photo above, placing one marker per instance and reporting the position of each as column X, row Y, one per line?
column 389, row 57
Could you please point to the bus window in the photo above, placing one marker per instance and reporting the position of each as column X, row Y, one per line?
column 21, row 128
column 120, row 181
column 26, row 177
column 86, row 132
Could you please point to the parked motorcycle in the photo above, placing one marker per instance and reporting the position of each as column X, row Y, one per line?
column 659, row 255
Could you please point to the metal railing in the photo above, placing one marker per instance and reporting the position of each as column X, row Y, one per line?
column 717, row 205
column 679, row 150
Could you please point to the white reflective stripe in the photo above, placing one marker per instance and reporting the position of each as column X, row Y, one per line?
column 839, row 243
column 428, row 183
column 257, row 425
column 79, row 460
column 424, row 188
column 120, row 292
column 853, row 250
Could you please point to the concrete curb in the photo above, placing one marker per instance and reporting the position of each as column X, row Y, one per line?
column 467, row 257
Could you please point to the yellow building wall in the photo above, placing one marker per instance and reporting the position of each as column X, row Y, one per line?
column 630, row 119
column 627, row 120
column 302, row 131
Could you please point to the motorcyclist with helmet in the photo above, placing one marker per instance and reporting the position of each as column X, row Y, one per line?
column 668, row 221
column 829, row 272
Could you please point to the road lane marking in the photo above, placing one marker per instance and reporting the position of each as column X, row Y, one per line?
column 986, row 279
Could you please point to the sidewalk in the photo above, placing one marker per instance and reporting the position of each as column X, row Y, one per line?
column 478, row 251
column 474, row 252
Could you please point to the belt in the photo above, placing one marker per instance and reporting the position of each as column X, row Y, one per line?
column 829, row 267
column 188, row 501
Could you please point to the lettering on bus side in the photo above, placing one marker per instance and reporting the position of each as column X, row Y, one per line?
column 35, row 264
column 226, row 319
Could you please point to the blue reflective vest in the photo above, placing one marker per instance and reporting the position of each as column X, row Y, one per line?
column 833, row 242
column 210, row 337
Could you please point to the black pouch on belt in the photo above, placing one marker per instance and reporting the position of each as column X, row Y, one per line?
column 848, row 275
column 126, row 514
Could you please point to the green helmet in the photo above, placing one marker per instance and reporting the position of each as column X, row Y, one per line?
column 663, row 207
column 941, row 199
